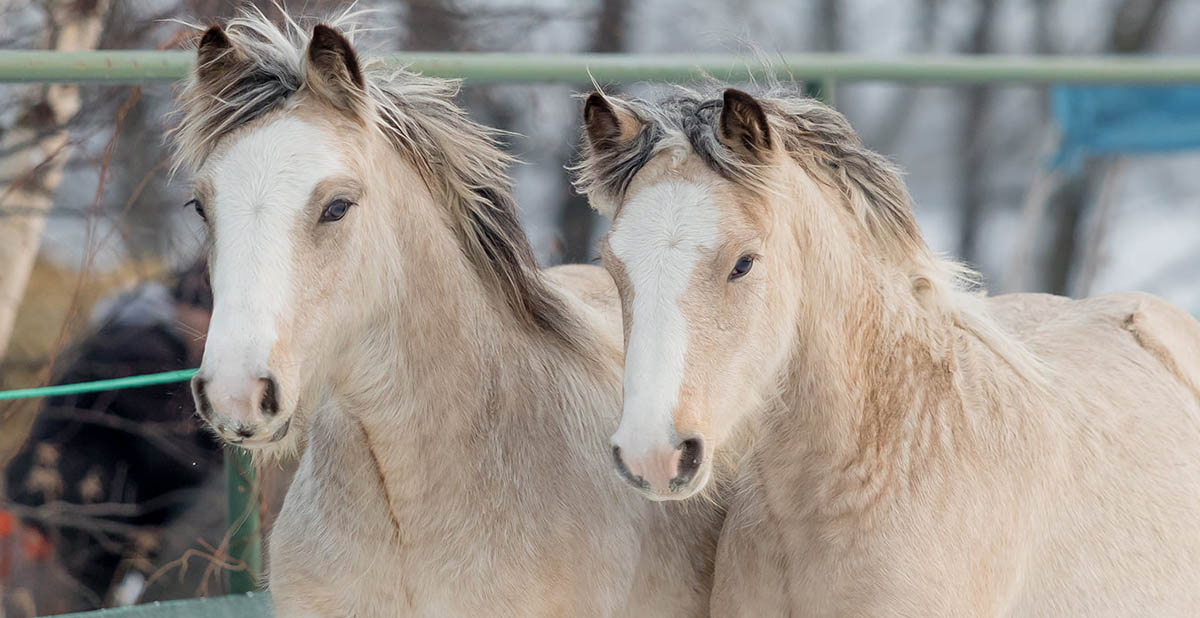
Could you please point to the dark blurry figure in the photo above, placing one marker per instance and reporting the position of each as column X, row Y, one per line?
column 107, row 470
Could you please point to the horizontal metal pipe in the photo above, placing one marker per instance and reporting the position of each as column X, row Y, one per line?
column 149, row 379
column 128, row 67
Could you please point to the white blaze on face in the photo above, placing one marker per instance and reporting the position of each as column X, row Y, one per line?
column 659, row 237
column 261, row 187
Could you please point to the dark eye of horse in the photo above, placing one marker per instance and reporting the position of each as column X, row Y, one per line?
column 742, row 267
column 197, row 206
column 335, row 210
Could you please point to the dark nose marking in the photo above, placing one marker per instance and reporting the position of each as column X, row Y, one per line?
column 689, row 462
column 636, row 481
column 203, row 407
column 269, row 405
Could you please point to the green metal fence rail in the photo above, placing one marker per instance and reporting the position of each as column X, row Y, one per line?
column 821, row 71
column 246, row 605
column 151, row 379
column 117, row 67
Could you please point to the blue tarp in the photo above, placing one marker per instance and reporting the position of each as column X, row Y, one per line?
column 1105, row 120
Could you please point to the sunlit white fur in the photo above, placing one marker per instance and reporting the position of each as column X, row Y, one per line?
column 663, row 232
column 261, row 189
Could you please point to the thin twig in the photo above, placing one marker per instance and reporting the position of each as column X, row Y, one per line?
column 135, row 93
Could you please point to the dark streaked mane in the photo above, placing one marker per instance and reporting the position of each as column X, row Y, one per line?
column 815, row 135
column 460, row 160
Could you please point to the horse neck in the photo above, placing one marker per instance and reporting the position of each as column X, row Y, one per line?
column 441, row 350
column 869, row 386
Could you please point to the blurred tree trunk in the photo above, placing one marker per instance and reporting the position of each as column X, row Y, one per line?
column 137, row 196
column 1043, row 37
column 900, row 112
column 139, row 193
column 827, row 37
column 577, row 221
column 431, row 26
column 1135, row 25
column 827, row 27
column 972, row 193
column 34, row 153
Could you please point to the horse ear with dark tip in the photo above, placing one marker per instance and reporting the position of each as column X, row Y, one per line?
column 744, row 128
column 606, row 125
column 332, row 69
column 600, row 119
column 216, row 56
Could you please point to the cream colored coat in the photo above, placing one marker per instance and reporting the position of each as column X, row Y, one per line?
column 452, row 400
column 986, row 497
column 921, row 450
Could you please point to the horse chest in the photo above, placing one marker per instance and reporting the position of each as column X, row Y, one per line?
column 818, row 545
column 359, row 533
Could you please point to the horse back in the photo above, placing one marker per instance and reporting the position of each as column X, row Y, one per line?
column 1063, row 326
column 1118, row 489
column 590, row 290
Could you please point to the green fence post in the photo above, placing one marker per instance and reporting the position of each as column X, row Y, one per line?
column 829, row 91
column 821, row 89
column 241, row 513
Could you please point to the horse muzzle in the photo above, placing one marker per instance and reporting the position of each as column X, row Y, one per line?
column 242, row 412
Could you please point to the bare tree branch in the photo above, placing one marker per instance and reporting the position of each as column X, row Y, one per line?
column 972, row 154
column 577, row 221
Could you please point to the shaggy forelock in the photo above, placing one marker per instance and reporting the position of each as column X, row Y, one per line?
column 273, row 71
column 815, row 135
column 460, row 160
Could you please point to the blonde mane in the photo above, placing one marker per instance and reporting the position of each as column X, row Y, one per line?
column 459, row 160
column 817, row 136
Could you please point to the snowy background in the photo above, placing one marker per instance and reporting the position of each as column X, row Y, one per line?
column 934, row 132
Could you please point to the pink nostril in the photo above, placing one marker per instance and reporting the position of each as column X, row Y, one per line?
column 662, row 471
column 237, row 407
column 690, row 456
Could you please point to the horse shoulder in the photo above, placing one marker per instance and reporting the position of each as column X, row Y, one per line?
column 751, row 567
column 334, row 518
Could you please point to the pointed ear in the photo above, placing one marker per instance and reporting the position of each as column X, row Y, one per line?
column 607, row 126
column 744, row 128
column 216, row 58
column 332, row 70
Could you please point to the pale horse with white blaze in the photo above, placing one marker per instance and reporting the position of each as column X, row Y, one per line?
column 378, row 306
column 921, row 449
